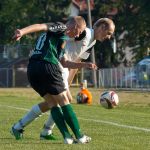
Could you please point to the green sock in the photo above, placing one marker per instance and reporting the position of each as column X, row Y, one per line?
column 72, row 120
column 60, row 122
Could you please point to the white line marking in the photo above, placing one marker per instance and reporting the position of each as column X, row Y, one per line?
column 15, row 107
column 117, row 124
column 93, row 120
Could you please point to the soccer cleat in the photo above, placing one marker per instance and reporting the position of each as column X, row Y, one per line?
column 18, row 134
column 84, row 139
column 48, row 137
column 68, row 140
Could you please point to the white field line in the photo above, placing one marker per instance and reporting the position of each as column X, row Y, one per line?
column 117, row 124
column 92, row 120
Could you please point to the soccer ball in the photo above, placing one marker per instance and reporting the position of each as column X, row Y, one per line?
column 109, row 99
column 81, row 98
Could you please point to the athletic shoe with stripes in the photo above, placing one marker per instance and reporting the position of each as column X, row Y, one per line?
column 48, row 137
column 18, row 134
column 84, row 139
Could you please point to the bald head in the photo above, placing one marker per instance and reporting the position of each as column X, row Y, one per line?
column 104, row 21
column 75, row 26
column 78, row 21
column 103, row 29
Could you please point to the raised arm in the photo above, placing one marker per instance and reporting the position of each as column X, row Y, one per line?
column 29, row 29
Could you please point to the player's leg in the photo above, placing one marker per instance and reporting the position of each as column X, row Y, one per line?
column 37, row 79
column 58, row 117
column 54, row 87
column 17, row 129
column 69, row 95
column 47, row 133
column 70, row 117
column 35, row 112
column 72, row 74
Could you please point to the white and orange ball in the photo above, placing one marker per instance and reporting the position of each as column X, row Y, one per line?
column 109, row 99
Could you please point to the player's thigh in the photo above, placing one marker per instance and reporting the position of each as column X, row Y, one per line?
column 72, row 74
column 50, row 101
column 45, row 78
column 61, row 98
column 54, row 80
column 69, row 95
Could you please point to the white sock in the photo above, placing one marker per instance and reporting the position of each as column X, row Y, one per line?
column 48, row 126
column 34, row 113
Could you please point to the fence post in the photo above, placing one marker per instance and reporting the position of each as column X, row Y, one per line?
column 7, row 76
column 13, row 76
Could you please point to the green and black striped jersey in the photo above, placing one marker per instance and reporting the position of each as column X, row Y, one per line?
column 50, row 45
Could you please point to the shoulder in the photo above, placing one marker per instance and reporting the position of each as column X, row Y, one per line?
column 56, row 27
column 89, row 33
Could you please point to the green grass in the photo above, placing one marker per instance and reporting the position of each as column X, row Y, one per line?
column 126, row 127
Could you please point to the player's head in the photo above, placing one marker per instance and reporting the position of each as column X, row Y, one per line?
column 75, row 26
column 103, row 29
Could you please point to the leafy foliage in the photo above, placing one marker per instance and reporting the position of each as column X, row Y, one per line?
column 17, row 14
column 131, row 19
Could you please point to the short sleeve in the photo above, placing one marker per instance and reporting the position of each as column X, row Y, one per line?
column 57, row 27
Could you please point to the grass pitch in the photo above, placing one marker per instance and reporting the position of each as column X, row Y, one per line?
column 126, row 127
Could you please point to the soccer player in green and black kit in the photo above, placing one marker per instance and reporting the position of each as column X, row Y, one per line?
column 45, row 77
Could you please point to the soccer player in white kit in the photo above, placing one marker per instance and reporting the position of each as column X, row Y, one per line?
column 76, row 50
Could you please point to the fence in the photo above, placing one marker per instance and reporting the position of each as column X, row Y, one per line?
column 128, row 78
column 132, row 78
column 13, row 77
column 14, row 59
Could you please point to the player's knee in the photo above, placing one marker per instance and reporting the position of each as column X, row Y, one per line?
column 70, row 99
column 64, row 100
column 44, row 106
column 69, row 96
column 36, row 110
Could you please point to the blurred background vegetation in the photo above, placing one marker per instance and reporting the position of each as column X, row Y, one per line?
column 132, row 19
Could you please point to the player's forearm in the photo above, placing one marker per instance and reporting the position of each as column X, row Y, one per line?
column 34, row 28
column 75, row 65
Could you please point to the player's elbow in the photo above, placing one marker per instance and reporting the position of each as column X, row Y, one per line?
column 64, row 64
column 44, row 27
column 41, row 27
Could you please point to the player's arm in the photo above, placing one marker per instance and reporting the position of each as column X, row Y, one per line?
column 74, row 65
column 52, row 27
column 29, row 29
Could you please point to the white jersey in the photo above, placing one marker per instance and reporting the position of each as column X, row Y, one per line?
column 78, row 49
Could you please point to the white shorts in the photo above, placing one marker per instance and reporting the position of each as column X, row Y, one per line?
column 65, row 75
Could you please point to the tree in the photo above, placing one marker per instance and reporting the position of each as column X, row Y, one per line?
column 17, row 14
column 132, row 18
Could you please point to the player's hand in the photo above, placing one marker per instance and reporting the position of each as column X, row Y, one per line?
column 91, row 66
column 17, row 35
